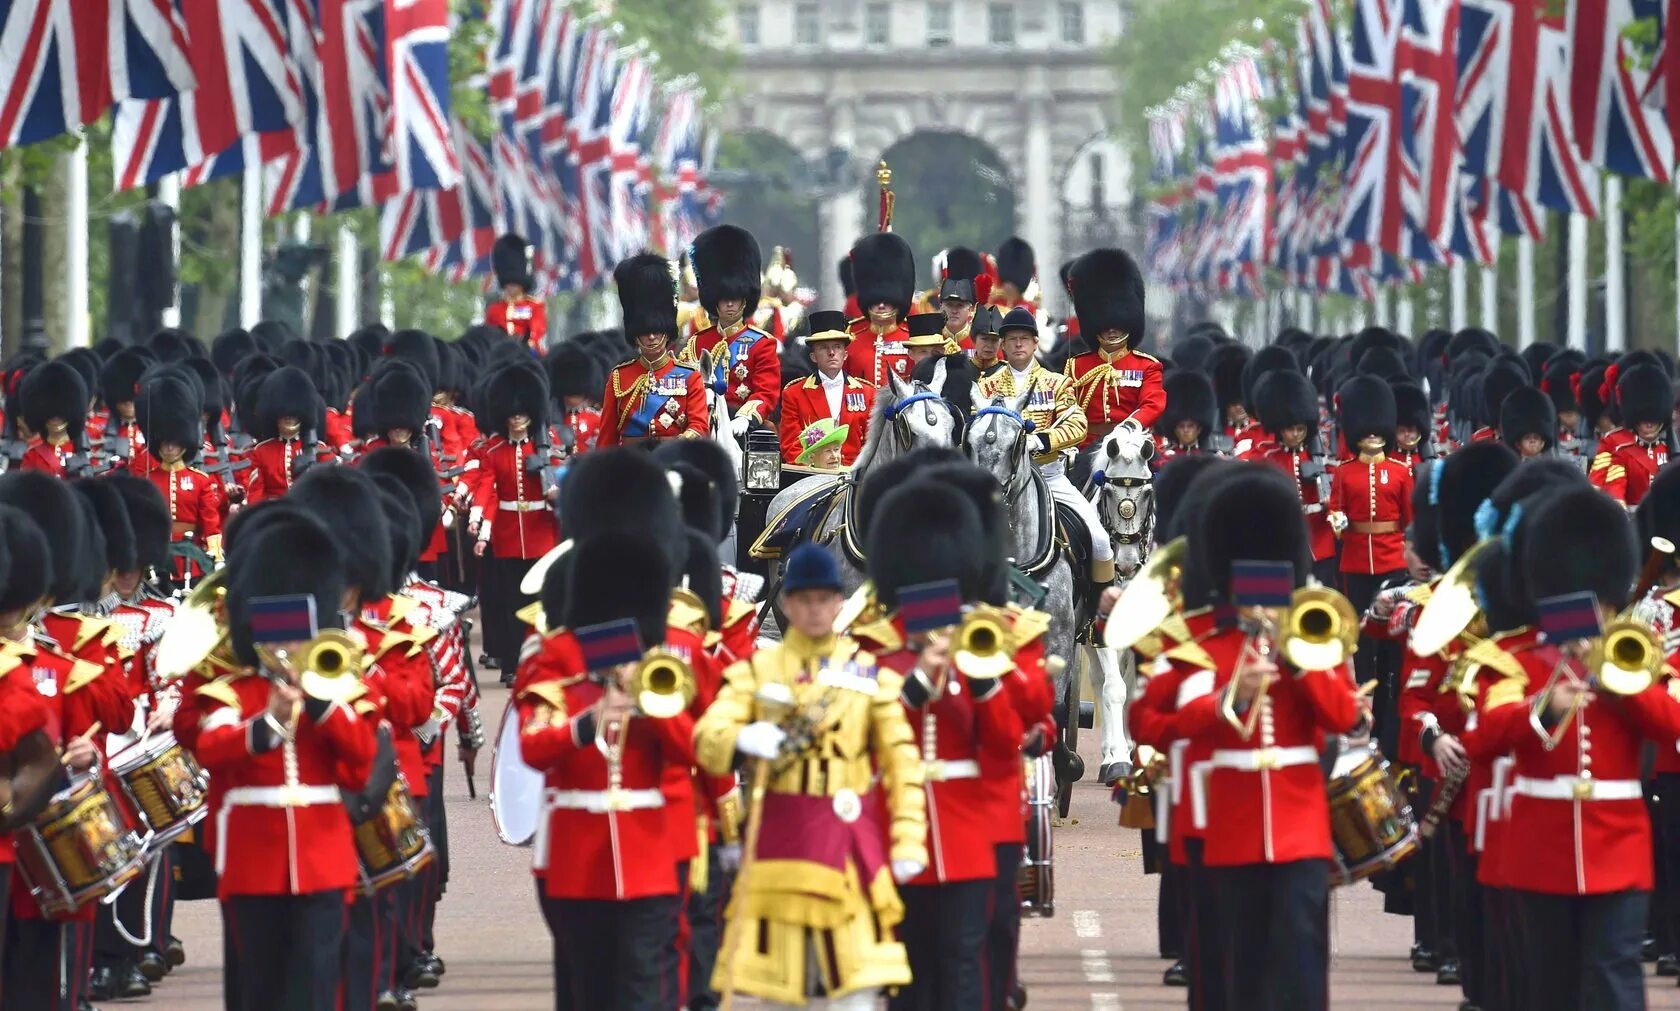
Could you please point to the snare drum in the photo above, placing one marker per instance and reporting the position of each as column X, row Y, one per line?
column 1035, row 879
column 1371, row 824
column 165, row 784
column 393, row 844
column 81, row 848
column 516, row 789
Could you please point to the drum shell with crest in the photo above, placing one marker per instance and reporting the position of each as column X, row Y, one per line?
column 164, row 784
column 82, row 847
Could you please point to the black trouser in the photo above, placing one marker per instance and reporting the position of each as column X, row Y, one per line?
column 562, row 979
column 1169, row 909
column 501, row 600
column 1504, row 939
column 944, row 933
column 365, row 969
column 1275, row 922
column 1667, row 839
column 1467, row 917
column 288, row 949
column 619, row 956
column 705, row 932
column 1582, row 951
column 1204, row 941
column 46, row 964
column 1003, row 934
column 147, row 903
column 1433, row 927
column 1360, row 590
column 437, row 874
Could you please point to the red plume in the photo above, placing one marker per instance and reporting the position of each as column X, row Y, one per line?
column 983, row 289
column 1607, row 389
column 1575, row 385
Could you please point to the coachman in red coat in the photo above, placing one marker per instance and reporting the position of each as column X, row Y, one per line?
column 829, row 392
column 1115, row 382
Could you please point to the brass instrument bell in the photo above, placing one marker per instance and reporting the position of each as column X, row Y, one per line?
column 1452, row 606
column 1146, row 601
column 1626, row 659
column 662, row 685
column 1320, row 630
column 331, row 668
column 194, row 630
column 983, row 649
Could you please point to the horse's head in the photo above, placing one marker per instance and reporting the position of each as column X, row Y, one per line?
column 918, row 415
column 1125, row 500
column 1000, row 437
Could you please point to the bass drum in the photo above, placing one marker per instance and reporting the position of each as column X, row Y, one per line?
column 516, row 789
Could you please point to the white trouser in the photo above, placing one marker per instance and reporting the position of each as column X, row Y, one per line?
column 1055, row 475
column 862, row 1000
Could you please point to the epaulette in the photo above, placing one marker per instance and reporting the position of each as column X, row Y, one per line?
column 1175, row 628
column 401, row 607
column 736, row 611
column 1145, row 355
column 81, row 675
column 551, row 692
column 1488, row 654
column 364, row 707
column 1028, row 624
column 91, row 628
column 1510, row 688
column 687, row 612
column 1420, row 593
column 221, row 690
column 881, row 631
column 1192, row 653
column 532, row 615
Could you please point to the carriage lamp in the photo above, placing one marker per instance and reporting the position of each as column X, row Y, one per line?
column 762, row 469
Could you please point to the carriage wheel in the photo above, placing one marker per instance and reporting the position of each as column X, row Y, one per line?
column 1070, row 768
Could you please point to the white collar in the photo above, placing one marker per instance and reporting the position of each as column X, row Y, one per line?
column 838, row 380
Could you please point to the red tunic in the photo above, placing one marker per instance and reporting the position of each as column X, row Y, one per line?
column 525, row 318
column 665, row 401
column 1114, row 388
column 50, row 457
column 1632, row 466
column 747, row 363
column 872, row 356
column 1373, row 491
column 585, row 423
column 22, row 712
column 1599, row 471
column 270, row 474
column 804, row 401
column 406, row 681
column 196, row 500
column 522, row 524
column 1318, row 522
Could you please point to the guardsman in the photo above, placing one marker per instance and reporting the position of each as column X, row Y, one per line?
column 1603, row 419
column 54, row 399
column 1370, row 495
column 1017, row 276
column 289, row 419
column 1260, row 794
column 1528, row 422
column 1646, row 395
column 924, row 337
column 829, row 393
column 1287, row 407
column 963, row 285
column 710, row 495
column 574, row 381
column 167, row 411
column 653, row 396
column 1412, row 425
column 519, row 314
column 1047, row 401
column 1561, row 380
column 119, row 378
column 394, row 409
column 1116, row 384
column 513, row 512
column 746, row 364
column 1252, row 441
column 1225, row 368
column 1497, row 381
column 1658, row 520
column 1189, row 423
column 815, row 907
column 884, row 270
column 604, row 855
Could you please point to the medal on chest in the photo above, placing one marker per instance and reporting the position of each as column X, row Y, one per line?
column 854, row 403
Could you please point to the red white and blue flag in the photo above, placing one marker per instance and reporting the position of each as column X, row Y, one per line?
column 1613, row 128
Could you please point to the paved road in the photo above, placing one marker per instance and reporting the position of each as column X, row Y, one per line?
column 1098, row 953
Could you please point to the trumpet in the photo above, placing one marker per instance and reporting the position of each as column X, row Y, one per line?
column 662, row 684
column 1626, row 659
column 983, row 647
column 1320, row 630
column 1151, row 766
column 327, row 668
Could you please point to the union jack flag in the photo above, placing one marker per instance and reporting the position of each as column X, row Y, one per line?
column 590, row 158
column 1613, row 128
column 417, row 69
column 68, row 61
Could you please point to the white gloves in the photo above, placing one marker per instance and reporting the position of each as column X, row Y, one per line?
column 738, row 427
column 729, row 857
column 760, row 740
column 905, row 870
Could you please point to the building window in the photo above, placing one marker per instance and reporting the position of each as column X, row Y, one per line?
column 1073, row 23
column 938, row 23
column 1002, row 24
column 807, row 24
column 877, row 24
column 746, row 24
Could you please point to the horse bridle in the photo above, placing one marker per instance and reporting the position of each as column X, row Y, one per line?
column 901, row 427
column 1026, row 425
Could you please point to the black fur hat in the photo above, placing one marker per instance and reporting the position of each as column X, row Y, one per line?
column 884, row 270
column 1536, row 356
column 1425, row 533
column 618, row 574
column 119, row 377
column 1225, row 367
column 1192, row 351
column 1580, row 540
column 271, row 333
column 402, row 523
column 166, row 409
column 866, row 498
column 1170, row 486
column 1382, row 362
column 1559, row 381
column 398, row 396
column 925, row 533
column 231, row 347
column 702, row 575
column 1471, row 339
column 1190, row 397
column 288, row 393
column 1270, row 358
column 1658, row 514
column 712, row 475
column 213, row 397
column 418, row 349
column 87, row 365
column 574, row 372
column 1253, row 513
column 369, row 341
column 1497, row 381
column 172, row 345
column 1365, row 406
column 417, row 475
column 1016, row 263
column 727, row 264
column 1283, row 398
column 347, row 501
column 55, row 509
column 1527, row 411
column 1592, row 397
column 510, row 258
column 111, row 514
column 963, row 264
column 148, row 517
column 293, row 554
column 55, row 390
column 1645, row 393
column 1107, row 290
column 647, row 294
column 515, row 389
column 1371, row 338
column 25, row 558
column 626, row 490
column 984, row 492
column 1411, row 407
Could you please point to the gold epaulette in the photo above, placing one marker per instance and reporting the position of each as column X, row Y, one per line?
column 401, row 607
column 81, row 675
column 1192, row 653
column 687, row 612
column 365, row 707
column 1175, row 628
column 552, row 693
column 1149, row 647
column 1029, row 624
column 1487, row 653
column 91, row 628
column 880, row 631
column 1420, row 593
column 221, row 690
column 532, row 615
column 1510, row 688
column 736, row 611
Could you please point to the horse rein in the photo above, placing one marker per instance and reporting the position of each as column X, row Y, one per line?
column 1026, row 425
column 895, row 413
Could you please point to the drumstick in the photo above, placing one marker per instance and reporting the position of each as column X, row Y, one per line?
column 1366, row 688
column 86, row 735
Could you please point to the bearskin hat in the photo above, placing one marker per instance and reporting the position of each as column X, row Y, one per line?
column 884, row 271
column 574, row 372
column 727, row 265
column 882, row 479
column 1497, row 381
column 1171, row 483
column 213, row 397
column 25, row 558
column 1190, row 397
column 1559, row 380
column 626, row 490
column 56, row 511
column 962, row 266
column 111, row 515
column 1016, row 263
column 1471, row 339
column 402, row 524
column 398, row 397
column 710, row 490
column 647, row 293
column 347, row 501
column 848, row 282
column 1225, row 367
column 1192, row 351
column 1253, row 513
column 1284, row 398
column 287, row 393
column 1271, row 358
column 119, row 377
column 1107, row 291
column 369, row 340
column 1658, row 514
column 293, row 554
column 515, row 389
column 87, row 365
column 1365, row 406
column 415, row 471
column 166, row 408
column 1591, row 394
column 986, row 496
column 1645, row 393
column 1382, row 362
column 702, row 574
column 55, row 390
column 271, row 333
column 510, row 258
column 1536, row 356
column 925, row 533
column 1425, row 533
column 1411, row 407
column 1579, row 540
column 229, row 348
column 1527, row 411
column 172, row 345
column 617, row 574
column 418, row 349
column 300, row 353
column 148, row 517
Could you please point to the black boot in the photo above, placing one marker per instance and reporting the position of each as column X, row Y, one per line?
column 1176, row 975
column 153, row 966
column 1423, row 960
column 1447, row 974
column 102, row 983
column 132, row 984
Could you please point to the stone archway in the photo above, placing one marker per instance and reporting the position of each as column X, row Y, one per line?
column 953, row 189
column 767, row 190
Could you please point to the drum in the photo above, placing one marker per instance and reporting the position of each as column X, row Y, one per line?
column 81, row 848
column 394, row 843
column 516, row 789
column 1035, row 879
column 1371, row 824
column 165, row 784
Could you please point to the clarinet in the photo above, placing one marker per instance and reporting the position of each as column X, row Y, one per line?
column 1445, row 794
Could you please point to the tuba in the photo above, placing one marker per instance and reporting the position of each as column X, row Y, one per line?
column 1452, row 606
column 662, row 684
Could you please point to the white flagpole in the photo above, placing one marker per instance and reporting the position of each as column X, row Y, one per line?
column 1615, row 280
column 250, row 248
column 1403, row 312
column 1379, row 307
column 347, row 306
column 1525, row 291
column 1459, row 312
column 1578, row 281
column 1490, row 298
column 76, row 318
column 169, row 194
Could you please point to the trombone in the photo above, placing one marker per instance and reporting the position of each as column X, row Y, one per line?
column 1623, row 660
column 1319, row 631
column 984, row 648
column 662, row 684
column 327, row 667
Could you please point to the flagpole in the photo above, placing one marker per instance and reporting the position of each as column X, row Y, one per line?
column 1379, row 307
column 1525, row 291
column 348, row 302
column 1578, row 281
column 169, row 194
column 1459, row 313
column 250, row 248
column 76, row 318
column 1490, row 298
column 1403, row 312
column 1615, row 278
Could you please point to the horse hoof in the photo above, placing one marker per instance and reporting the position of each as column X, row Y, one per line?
column 1114, row 772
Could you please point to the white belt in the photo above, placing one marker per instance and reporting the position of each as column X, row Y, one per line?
column 1577, row 788
column 280, row 796
column 521, row 506
column 1242, row 760
column 1313, row 509
column 602, row 801
column 938, row 771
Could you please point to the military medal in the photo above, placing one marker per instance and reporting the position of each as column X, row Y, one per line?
column 740, row 370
